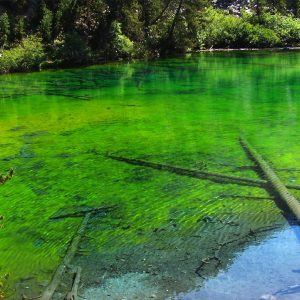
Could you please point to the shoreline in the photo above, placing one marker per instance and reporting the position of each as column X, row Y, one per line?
column 248, row 49
column 53, row 66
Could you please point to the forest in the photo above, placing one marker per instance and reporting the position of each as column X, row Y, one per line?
column 37, row 34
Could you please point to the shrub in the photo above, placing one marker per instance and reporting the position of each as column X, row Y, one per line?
column 220, row 29
column 28, row 55
column 262, row 37
column 287, row 28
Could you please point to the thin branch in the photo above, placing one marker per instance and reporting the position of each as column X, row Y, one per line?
column 161, row 13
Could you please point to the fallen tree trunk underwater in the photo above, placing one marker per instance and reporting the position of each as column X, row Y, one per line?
column 273, row 179
column 216, row 177
column 73, row 294
column 82, row 213
column 50, row 289
column 72, row 249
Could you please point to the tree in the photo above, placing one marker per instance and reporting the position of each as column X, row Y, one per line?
column 297, row 9
column 278, row 5
column 4, row 29
column 19, row 29
column 46, row 24
column 259, row 6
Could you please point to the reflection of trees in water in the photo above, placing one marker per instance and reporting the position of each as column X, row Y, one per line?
column 200, row 74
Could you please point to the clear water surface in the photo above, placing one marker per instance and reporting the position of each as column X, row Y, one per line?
column 170, row 236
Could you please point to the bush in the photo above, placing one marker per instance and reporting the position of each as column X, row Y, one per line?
column 261, row 37
column 120, row 45
column 286, row 28
column 28, row 55
column 220, row 29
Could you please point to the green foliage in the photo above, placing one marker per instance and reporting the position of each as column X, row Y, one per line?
column 287, row 28
column 45, row 27
column 220, row 29
column 28, row 55
column 120, row 45
column 4, row 29
column 261, row 37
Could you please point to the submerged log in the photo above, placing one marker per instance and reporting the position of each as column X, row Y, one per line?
column 82, row 213
column 4, row 178
column 273, row 179
column 73, row 294
column 50, row 289
column 213, row 176
column 245, row 197
column 68, row 96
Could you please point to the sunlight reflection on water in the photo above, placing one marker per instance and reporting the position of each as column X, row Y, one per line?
column 270, row 270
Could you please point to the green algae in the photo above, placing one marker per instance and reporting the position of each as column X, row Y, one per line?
column 58, row 126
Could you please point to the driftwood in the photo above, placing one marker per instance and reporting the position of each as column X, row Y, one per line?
column 4, row 178
column 73, row 294
column 1, row 226
column 50, row 289
column 84, row 212
column 273, row 179
column 216, row 177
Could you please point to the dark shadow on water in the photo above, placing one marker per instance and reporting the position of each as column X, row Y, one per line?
column 294, row 224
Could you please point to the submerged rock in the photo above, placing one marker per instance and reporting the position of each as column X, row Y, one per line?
column 36, row 133
column 26, row 152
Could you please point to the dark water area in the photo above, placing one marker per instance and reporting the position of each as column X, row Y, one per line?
column 169, row 236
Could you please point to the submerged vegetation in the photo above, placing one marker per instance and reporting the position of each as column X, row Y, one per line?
column 34, row 33
column 59, row 131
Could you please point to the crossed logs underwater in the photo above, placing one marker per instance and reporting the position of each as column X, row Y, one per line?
column 272, row 180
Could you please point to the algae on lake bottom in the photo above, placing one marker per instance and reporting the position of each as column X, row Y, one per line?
column 57, row 128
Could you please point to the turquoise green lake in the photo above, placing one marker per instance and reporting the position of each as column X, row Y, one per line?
column 58, row 128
